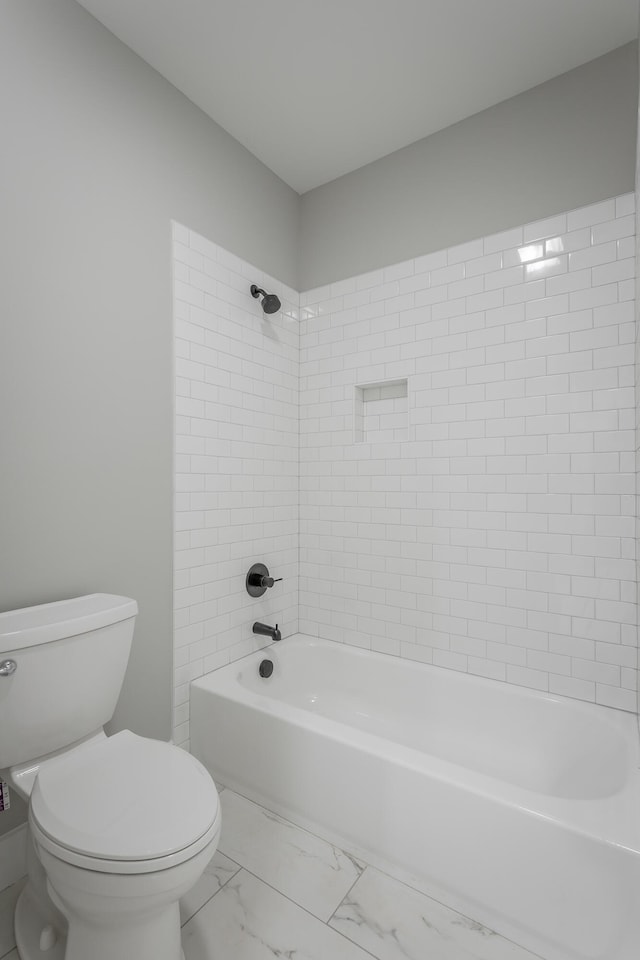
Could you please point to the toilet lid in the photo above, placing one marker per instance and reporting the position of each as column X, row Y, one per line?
column 124, row 798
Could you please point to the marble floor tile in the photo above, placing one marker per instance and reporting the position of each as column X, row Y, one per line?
column 219, row 870
column 8, row 899
column 248, row 920
column 308, row 870
column 395, row 922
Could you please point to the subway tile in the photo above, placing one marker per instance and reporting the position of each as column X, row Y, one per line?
column 431, row 261
column 523, row 255
column 547, row 306
column 593, row 256
column 563, row 282
column 596, row 672
column 593, row 297
column 572, row 687
column 611, row 273
column 625, row 205
column 483, row 264
column 610, row 696
column 568, row 242
column 542, row 269
column 626, row 248
column 489, row 300
column 613, row 229
column 396, row 272
column 542, row 229
column 504, row 278
column 526, row 677
column 626, row 290
column 523, row 292
column 504, row 240
column 465, row 251
column 595, row 213
column 446, row 275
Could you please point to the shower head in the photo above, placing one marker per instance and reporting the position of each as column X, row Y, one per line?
column 270, row 303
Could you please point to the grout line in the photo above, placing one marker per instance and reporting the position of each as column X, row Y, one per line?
column 221, row 887
column 357, row 880
column 307, row 911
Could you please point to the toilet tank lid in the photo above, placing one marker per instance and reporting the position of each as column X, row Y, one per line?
column 46, row 622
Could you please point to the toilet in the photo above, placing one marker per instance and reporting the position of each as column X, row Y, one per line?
column 120, row 827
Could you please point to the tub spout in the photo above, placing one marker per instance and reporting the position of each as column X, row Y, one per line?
column 266, row 631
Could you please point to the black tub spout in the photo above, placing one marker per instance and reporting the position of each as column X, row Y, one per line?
column 266, row 631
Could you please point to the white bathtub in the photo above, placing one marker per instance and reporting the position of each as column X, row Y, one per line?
column 520, row 809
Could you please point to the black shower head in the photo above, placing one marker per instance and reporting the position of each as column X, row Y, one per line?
column 270, row 303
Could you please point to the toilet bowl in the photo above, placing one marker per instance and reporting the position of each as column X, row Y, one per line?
column 123, row 827
column 110, row 916
column 120, row 827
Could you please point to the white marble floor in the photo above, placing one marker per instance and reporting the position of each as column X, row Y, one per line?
column 274, row 890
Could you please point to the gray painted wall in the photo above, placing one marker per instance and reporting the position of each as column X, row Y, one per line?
column 563, row 144
column 637, row 399
column 98, row 154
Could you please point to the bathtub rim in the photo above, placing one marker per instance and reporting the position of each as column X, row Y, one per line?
column 612, row 819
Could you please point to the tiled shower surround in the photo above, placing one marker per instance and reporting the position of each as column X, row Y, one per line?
column 497, row 539
column 466, row 457
column 236, row 458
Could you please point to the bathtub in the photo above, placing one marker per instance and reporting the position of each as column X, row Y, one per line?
column 520, row 809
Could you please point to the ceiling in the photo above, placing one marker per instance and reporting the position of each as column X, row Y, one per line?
column 317, row 88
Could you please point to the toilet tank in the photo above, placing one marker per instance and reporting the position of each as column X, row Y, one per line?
column 70, row 658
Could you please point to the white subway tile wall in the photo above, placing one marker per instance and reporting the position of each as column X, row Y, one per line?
column 462, row 428
column 236, row 460
column 499, row 537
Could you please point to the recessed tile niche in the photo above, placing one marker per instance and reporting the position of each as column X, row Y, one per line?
column 381, row 413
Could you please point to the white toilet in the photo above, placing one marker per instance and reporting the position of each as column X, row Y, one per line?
column 120, row 827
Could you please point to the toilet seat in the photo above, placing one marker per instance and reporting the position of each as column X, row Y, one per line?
column 125, row 867
column 125, row 804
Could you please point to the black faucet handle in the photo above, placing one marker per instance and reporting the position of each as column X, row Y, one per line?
column 269, row 581
column 258, row 580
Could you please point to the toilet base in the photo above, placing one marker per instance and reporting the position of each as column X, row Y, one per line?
column 41, row 925
column 113, row 916
column 66, row 912
column 33, row 927
column 151, row 936
column 37, row 923
column 34, row 931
